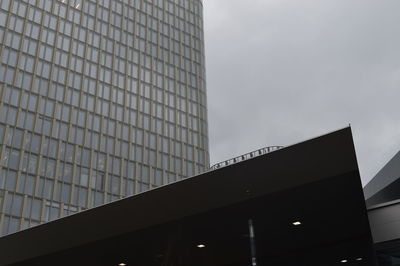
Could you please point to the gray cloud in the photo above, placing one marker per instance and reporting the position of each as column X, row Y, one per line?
column 283, row 71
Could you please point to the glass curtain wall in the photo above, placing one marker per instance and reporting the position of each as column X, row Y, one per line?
column 99, row 100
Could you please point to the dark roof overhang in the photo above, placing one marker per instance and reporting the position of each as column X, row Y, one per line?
column 316, row 182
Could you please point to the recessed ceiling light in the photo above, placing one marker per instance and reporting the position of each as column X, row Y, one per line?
column 201, row 246
column 122, row 264
column 296, row 223
column 343, row 261
column 359, row 259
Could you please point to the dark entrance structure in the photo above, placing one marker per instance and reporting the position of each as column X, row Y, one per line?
column 304, row 203
column 382, row 195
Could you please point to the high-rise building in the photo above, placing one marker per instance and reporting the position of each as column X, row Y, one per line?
column 99, row 100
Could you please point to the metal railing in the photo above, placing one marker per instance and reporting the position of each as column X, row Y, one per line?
column 246, row 156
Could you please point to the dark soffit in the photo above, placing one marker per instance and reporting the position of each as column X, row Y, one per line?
column 308, row 162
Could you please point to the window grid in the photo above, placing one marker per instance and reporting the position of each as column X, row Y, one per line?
column 98, row 100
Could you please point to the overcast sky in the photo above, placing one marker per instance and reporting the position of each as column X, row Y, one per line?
column 283, row 71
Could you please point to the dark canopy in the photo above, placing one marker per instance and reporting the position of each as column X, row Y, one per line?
column 315, row 183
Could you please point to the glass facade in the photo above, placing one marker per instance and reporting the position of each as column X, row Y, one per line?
column 99, row 100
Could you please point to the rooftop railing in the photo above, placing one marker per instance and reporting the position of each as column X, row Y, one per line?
column 246, row 156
